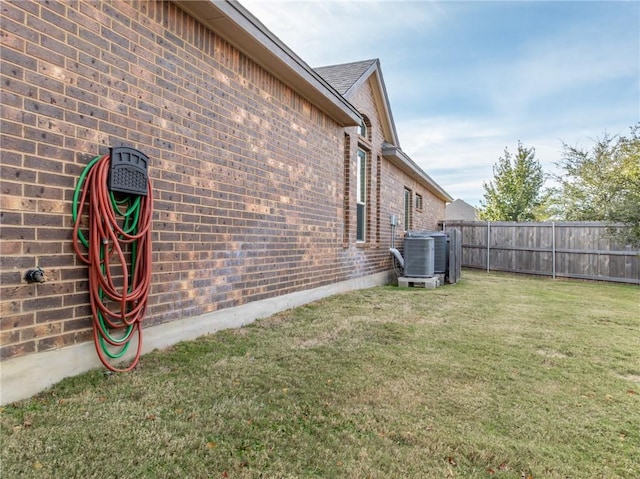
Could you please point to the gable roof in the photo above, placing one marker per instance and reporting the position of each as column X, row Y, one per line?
column 347, row 78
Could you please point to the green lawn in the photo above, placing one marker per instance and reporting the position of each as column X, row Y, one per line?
column 499, row 376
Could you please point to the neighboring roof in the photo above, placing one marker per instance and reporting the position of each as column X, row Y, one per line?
column 347, row 78
column 238, row 26
column 460, row 210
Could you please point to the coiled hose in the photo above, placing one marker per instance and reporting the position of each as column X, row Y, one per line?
column 117, row 249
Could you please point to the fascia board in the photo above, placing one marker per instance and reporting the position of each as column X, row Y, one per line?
column 238, row 26
column 383, row 102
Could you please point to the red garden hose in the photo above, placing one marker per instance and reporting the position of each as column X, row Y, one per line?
column 118, row 254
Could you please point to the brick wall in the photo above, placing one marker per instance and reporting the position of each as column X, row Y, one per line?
column 248, row 176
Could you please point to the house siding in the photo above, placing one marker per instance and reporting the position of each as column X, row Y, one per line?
column 248, row 176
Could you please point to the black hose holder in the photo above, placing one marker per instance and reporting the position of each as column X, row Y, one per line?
column 128, row 171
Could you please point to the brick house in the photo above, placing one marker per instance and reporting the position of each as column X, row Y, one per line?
column 273, row 183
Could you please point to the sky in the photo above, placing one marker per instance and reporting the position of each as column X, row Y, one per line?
column 467, row 79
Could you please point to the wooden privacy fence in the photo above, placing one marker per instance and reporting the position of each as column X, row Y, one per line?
column 566, row 249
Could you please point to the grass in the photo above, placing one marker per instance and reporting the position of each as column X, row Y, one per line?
column 497, row 377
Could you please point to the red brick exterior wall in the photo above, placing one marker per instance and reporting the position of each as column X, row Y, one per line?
column 248, row 176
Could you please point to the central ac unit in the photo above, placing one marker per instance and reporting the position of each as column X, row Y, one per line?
column 418, row 257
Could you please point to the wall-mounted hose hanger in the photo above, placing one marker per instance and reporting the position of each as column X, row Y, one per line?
column 128, row 171
column 112, row 212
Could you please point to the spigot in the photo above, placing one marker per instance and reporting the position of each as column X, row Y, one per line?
column 35, row 275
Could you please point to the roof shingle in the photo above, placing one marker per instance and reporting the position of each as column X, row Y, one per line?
column 343, row 77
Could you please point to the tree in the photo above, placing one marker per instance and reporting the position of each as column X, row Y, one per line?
column 602, row 184
column 515, row 194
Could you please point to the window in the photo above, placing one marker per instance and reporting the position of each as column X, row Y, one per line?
column 407, row 209
column 362, row 129
column 418, row 202
column 361, row 195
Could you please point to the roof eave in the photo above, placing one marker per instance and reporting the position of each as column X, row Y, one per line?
column 396, row 156
column 238, row 26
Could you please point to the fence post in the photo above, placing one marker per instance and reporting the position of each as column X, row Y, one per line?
column 488, row 241
column 553, row 248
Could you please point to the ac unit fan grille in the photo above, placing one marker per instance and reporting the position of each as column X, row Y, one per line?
column 418, row 257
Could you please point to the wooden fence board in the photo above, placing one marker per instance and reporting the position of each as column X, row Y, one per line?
column 566, row 249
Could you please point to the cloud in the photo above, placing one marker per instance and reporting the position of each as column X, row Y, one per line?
column 568, row 67
column 457, row 153
column 325, row 32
